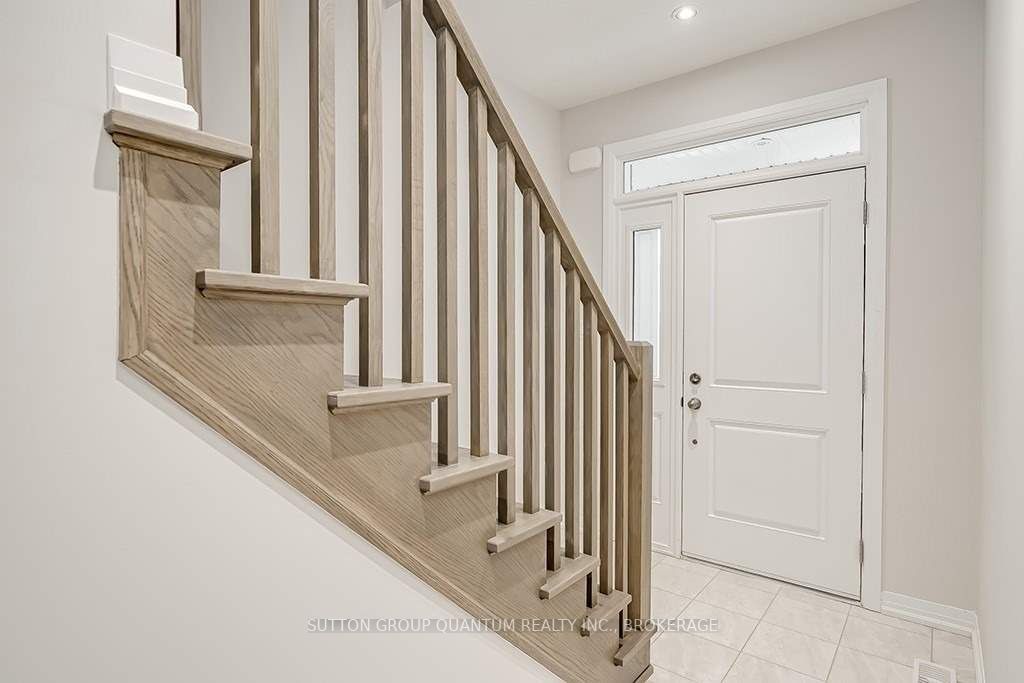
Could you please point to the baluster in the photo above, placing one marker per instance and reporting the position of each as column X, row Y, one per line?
column 531, row 352
column 506, row 329
column 412, row 190
column 607, row 430
column 321, row 140
column 264, row 118
column 591, row 439
column 190, row 44
column 641, row 425
column 447, row 250
column 621, row 474
column 479, row 404
column 573, row 412
column 371, row 198
column 554, row 350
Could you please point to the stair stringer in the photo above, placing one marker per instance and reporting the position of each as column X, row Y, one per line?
column 259, row 373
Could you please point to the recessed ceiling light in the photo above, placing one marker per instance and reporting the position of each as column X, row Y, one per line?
column 684, row 13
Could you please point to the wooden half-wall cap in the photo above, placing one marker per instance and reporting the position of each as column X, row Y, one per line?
column 392, row 392
column 570, row 572
column 526, row 526
column 633, row 643
column 225, row 284
column 469, row 468
column 176, row 142
column 605, row 616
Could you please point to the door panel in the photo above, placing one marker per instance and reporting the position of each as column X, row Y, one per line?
column 647, row 304
column 773, row 323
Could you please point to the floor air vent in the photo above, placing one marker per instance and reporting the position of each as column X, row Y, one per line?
column 929, row 672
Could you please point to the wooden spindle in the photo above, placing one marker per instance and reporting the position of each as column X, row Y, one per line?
column 447, row 249
column 591, row 438
column 321, row 140
column 531, row 352
column 479, row 401
column 621, row 475
column 371, row 197
column 265, row 124
column 641, row 428
column 412, row 190
column 506, row 329
column 573, row 413
column 554, row 350
column 607, row 490
column 190, row 49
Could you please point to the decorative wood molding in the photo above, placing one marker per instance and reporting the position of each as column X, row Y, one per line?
column 174, row 142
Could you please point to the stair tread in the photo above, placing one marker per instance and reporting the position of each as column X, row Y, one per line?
column 632, row 643
column 226, row 284
column 526, row 526
column 609, row 605
column 469, row 468
column 353, row 396
column 572, row 571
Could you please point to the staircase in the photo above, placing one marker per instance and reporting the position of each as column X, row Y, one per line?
column 259, row 357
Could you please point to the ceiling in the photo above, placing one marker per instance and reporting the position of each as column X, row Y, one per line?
column 568, row 52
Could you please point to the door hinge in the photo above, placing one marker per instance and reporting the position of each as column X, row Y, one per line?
column 865, row 213
column 860, row 552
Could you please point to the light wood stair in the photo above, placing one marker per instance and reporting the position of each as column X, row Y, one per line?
column 526, row 526
column 223, row 284
column 469, row 469
column 572, row 571
column 392, row 392
column 606, row 612
column 633, row 644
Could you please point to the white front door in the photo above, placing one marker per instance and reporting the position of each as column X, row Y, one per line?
column 773, row 352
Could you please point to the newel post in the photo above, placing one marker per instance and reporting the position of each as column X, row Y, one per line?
column 641, row 427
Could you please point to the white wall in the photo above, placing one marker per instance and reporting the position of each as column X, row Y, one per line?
column 137, row 545
column 1001, row 603
column 931, row 52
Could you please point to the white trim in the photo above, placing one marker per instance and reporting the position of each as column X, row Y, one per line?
column 871, row 101
column 927, row 613
column 942, row 617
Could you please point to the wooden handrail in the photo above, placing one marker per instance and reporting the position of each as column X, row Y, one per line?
column 472, row 74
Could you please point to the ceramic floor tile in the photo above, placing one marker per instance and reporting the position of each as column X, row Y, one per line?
column 665, row 605
column 733, row 629
column 677, row 579
column 887, row 642
column 666, row 676
column 815, row 598
column 692, row 657
column 748, row 669
column 725, row 592
column 851, row 666
column 807, row 618
column 695, row 567
column 879, row 618
column 656, row 559
column 792, row 650
column 751, row 581
column 954, row 651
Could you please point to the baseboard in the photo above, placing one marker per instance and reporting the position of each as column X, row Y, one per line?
column 937, row 615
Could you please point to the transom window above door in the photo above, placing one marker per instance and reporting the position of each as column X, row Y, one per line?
column 824, row 139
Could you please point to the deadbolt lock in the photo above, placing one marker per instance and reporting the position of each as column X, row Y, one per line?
column 694, row 378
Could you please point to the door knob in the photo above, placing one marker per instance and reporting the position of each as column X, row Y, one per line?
column 693, row 403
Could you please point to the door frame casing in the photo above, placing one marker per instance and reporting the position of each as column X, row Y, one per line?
column 870, row 100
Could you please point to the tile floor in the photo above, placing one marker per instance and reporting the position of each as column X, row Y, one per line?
column 771, row 632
